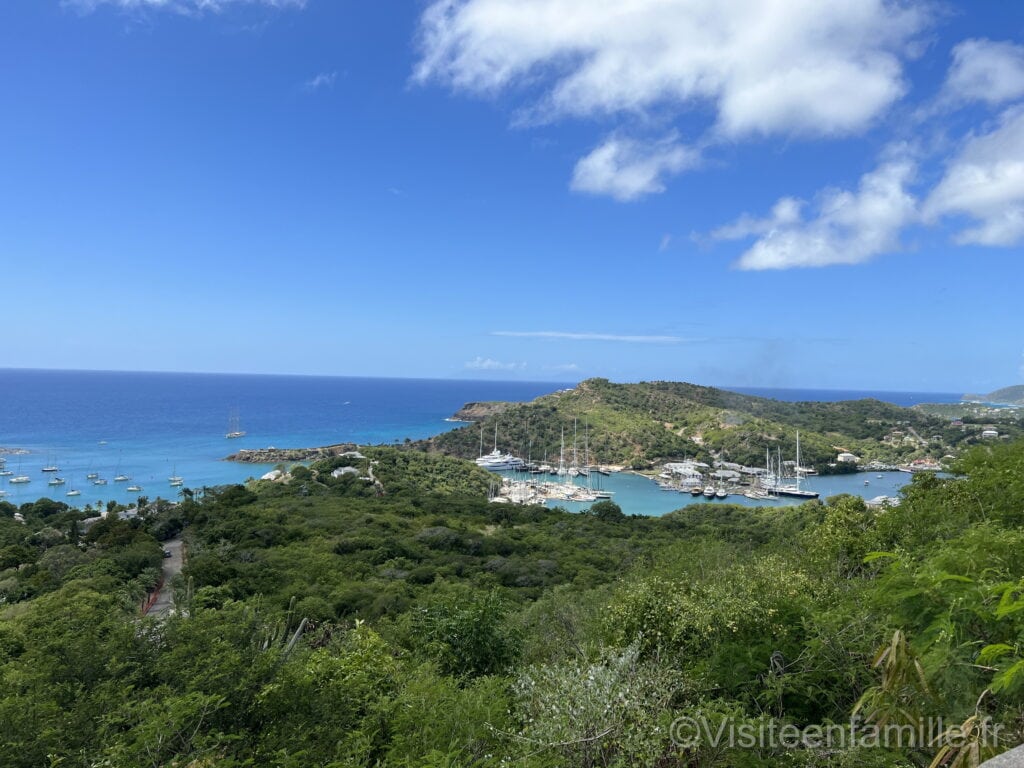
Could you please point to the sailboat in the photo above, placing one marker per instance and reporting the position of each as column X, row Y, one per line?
column 792, row 491
column 175, row 480
column 234, row 430
column 20, row 479
column 51, row 466
column 120, row 477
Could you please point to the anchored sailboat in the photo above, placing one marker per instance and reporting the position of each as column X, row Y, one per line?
column 234, row 429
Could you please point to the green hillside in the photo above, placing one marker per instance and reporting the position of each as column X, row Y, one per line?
column 639, row 424
column 1008, row 395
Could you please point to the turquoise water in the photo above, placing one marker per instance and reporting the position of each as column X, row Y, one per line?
column 149, row 426
column 638, row 495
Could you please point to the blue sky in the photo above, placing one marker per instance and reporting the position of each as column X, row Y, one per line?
column 772, row 193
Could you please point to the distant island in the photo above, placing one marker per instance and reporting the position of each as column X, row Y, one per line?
column 1006, row 396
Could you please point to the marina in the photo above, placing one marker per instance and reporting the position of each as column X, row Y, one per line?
column 639, row 494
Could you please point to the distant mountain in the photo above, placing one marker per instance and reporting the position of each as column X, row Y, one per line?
column 640, row 424
column 1007, row 395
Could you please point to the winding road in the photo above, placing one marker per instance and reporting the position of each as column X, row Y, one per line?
column 172, row 567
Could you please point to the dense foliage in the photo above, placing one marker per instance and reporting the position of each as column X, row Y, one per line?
column 321, row 622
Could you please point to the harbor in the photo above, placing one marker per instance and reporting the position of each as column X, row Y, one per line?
column 639, row 494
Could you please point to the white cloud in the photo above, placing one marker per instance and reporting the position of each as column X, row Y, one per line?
column 487, row 364
column 764, row 66
column 573, row 336
column 322, row 80
column 849, row 228
column 628, row 170
column 184, row 7
column 986, row 70
column 785, row 212
column 986, row 182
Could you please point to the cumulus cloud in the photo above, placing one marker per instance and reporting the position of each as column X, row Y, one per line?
column 985, row 181
column 322, row 80
column 764, row 66
column 986, row 70
column 487, row 364
column 574, row 336
column 849, row 227
column 184, row 7
column 627, row 169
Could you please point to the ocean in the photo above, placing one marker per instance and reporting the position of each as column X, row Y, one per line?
column 149, row 426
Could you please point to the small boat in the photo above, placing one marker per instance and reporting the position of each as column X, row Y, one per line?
column 721, row 493
column 92, row 475
column 880, row 477
column 56, row 481
column 73, row 492
column 51, row 468
column 696, row 490
column 99, row 481
column 175, row 479
column 177, row 482
column 867, row 482
column 134, row 488
column 234, row 430
column 121, row 479
column 6, row 472
column 710, row 492
column 20, row 480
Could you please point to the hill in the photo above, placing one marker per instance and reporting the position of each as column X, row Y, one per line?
column 640, row 424
column 1007, row 395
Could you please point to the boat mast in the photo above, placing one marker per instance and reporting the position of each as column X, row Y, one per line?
column 575, row 456
column 797, row 470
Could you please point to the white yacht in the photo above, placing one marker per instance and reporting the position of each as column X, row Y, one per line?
column 496, row 460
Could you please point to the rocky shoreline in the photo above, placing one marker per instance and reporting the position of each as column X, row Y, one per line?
column 273, row 455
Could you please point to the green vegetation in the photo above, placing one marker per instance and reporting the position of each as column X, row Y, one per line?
column 1007, row 395
column 337, row 622
column 640, row 424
